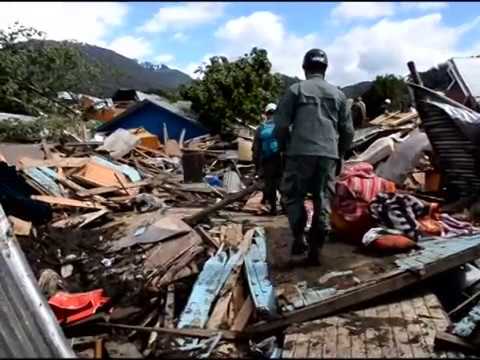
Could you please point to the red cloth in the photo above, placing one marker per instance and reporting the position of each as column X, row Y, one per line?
column 356, row 188
column 393, row 243
column 69, row 308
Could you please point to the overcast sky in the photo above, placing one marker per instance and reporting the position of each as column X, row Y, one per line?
column 362, row 40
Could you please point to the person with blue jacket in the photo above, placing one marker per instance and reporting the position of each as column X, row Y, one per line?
column 267, row 158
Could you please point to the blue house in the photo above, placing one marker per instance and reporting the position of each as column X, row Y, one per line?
column 151, row 113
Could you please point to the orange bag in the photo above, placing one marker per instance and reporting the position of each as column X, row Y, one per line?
column 393, row 243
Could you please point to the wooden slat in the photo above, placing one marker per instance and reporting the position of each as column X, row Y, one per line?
column 301, row 347
column 428, row 327
column 243, row 315
column 400, row 333
column 414, row 332
column 344, row 343
column 390, row 282
column 330, row 338
column 371, row 336
column 60, row 201
column 317, row 343
column 389, row 347
column 289, row 346
column 358, row 344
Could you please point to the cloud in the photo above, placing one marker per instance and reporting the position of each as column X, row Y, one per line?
column 183, row 16
column 180, row 37
column 362, row 10
column 87, row 22
column 266, row 30
column 131, row 47
column 424, row 6
column 164, row 58
column 386, row 47
column 359, row 54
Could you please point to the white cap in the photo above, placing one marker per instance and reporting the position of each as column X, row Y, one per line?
column 388, row 101
column 270, row 107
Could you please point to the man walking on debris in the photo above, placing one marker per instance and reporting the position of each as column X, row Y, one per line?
column 359, row 113
column 320, row 135
column 267, row 158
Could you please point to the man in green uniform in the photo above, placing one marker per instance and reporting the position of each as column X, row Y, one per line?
column 314, row 129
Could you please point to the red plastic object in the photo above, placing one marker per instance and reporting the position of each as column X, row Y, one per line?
column 69, row 308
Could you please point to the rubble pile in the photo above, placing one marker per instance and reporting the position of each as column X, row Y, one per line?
column 128, row 243
column 149, row 248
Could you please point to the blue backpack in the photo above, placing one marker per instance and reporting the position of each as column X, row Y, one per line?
column 269, row 145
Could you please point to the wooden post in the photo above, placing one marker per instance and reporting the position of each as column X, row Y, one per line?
column 193, row 163
column 413, row 72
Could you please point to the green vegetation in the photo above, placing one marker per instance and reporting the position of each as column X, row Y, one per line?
column 386, row 86
column 229, row 90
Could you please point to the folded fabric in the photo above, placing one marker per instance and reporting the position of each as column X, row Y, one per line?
column 356, row 188
column 400, row 212
column 387, row 240
column 454, row 227
column 70, row 308
column 376, row 232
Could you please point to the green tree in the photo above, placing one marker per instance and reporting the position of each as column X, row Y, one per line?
column 386, row 86
column 233, row 89
column 33, row 71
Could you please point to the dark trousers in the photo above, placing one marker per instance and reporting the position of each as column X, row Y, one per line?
column 308, row 174
column 272, row 175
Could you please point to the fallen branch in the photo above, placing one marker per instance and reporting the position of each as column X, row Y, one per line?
column 195, row 218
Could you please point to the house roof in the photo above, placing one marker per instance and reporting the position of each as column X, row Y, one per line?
column 468, row 69
column 177, row 109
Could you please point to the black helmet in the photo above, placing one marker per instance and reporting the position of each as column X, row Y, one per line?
column 315, row 58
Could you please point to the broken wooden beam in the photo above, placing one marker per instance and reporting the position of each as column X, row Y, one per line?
column 195, row 218
column 66, row 202
column 107, row 189
column 187, row 332
column 457, row 251
column 451, row 342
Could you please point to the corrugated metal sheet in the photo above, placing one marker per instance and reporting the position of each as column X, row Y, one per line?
column 469, row 70
column 28, row 328
column 457, row 155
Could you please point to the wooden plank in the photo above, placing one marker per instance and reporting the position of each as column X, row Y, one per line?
column 330, row 338
column 243, row 315
column 415, row 336
column 359, row 349
column 301, row 347
column 26, row 162
column 20, row 227
column 289, row 346
column 400, row 332
column 317, row 343
column 392, row 281
column 188, row 332
column 344, row 343
column 80, row 220
column 108, row 189
column 372, row 334
column 453, row 313
column 218, row 318
column 449, row 341
column 232, row 235
column 169, row 316
column 437, row 323
column 389, row 349
column 65, row 202
column 206, row 237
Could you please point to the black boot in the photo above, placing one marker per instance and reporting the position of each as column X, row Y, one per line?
column 299, row 247
column 315, row 240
